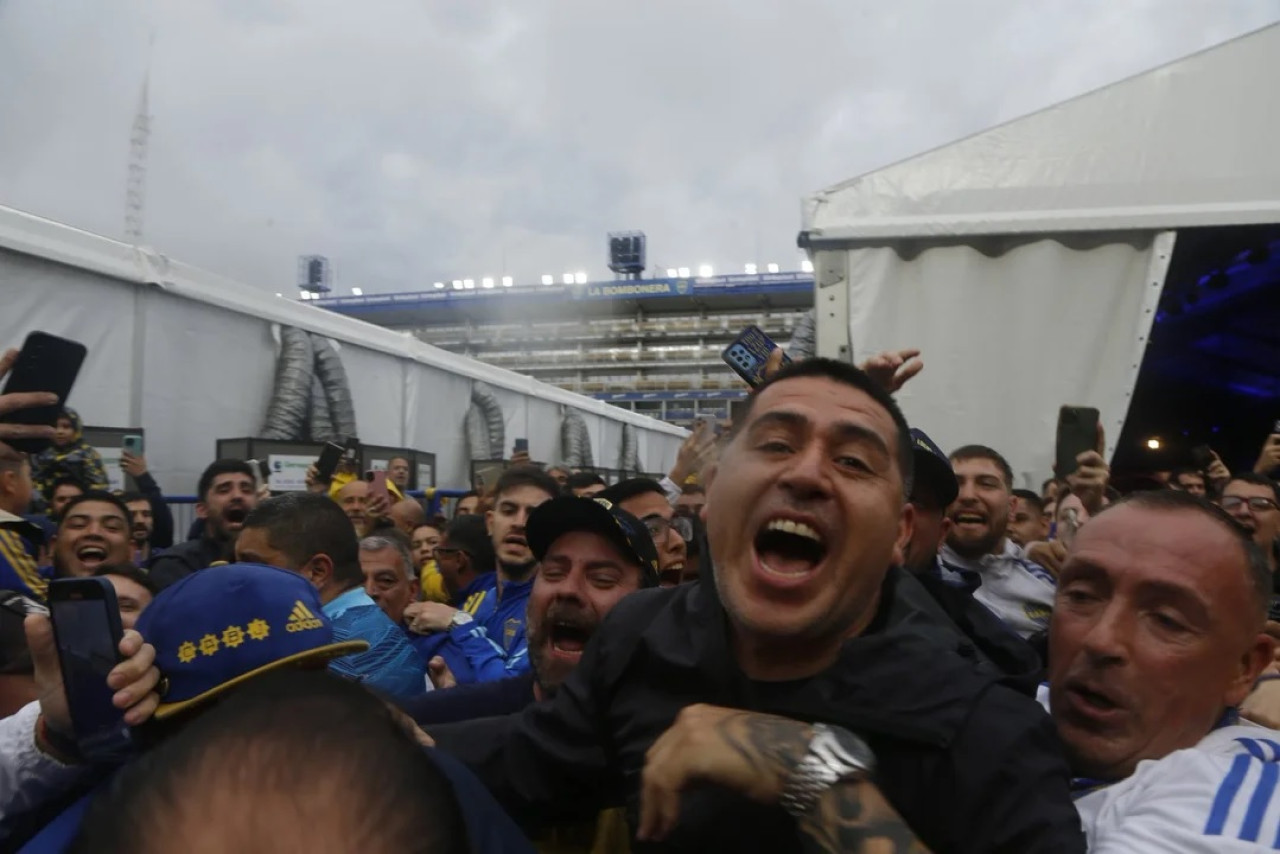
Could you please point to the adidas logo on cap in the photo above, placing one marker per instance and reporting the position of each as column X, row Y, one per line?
column 301, row 619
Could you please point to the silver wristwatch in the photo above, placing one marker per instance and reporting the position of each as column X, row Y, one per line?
column 460, row 618
column 834, row 755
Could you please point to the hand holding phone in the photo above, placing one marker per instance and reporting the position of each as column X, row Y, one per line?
column 327, row 464
column 749, row 353
column 46, row 365
column 378, row 487
column 87, row 631
column 1077, row 433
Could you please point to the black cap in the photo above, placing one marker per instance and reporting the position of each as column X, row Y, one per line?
column 552, row 519
column 933, row 467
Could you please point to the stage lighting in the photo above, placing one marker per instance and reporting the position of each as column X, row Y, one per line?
column 507, row 281
column 486, row 282
column 357, row 292
column 705, row 271
column 548, row 279
column 751, row 269
column 772, row 268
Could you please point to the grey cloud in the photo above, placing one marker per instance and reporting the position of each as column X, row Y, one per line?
column 414, row 141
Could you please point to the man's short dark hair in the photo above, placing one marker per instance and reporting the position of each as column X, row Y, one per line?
column 471, row 493
column 131, row 572
column 584, row 479
column 845, row 374
column 304, row 524
column 1176, row 475
column 1257, row 480
column 217, row 467
column 625, row 490
column 64, row 480
column 1032, row 500
column 693, row 489
column 982, row 452
column 130, row 497
column 1174, row 500
column 471, row 534
column 518, row 476
column 268, row 765
column 97, row 495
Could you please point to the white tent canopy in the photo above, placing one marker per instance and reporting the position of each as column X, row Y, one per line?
column 191, row 357
column 1026, row 260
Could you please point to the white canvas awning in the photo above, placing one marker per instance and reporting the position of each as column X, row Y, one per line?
column 1193, row 142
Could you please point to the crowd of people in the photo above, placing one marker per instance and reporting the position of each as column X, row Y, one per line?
column 818, row 632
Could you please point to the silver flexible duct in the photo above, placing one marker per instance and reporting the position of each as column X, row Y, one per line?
column 320, row 421
column 486, row 428
column 337, row 391
column 575, row 442
column 804, row 338
column 287, row 412
column 629, row 455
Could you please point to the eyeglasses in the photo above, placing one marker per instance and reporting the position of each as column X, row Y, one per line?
column 657, row 527
column 1256, row 503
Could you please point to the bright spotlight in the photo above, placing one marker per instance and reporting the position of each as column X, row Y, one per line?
column 683, row 272
column 672, row 272
column 548, row 279
column 568, row 278
column 357, row 292
column 469, row 284
column 507, row 281
column 1153, row 444
column 457, row 284
column 279, row 295
column 772, row 268
column 705, row 271
column 579, row 278
column 751, row 269
column 806, row 265
column 439, row 286
column 486, row 282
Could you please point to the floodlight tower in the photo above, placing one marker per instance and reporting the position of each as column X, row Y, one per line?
column 135, row 191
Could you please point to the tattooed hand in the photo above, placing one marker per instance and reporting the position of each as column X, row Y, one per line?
column 754, row 754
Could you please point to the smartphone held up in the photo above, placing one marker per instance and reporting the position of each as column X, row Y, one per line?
column 46, row 363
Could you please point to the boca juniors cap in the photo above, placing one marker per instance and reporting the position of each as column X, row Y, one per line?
column 552, row 519
column 223, row 625
column 934, row 467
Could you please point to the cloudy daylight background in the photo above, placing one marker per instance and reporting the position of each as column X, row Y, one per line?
column 418, row 140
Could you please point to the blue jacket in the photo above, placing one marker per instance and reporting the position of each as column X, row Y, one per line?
column 390, row 665
column 19, row 546
column 469, row 647
column 494, row 645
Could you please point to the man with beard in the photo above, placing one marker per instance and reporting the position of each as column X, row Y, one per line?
column 94, row 532
column 227, row 492
column 979, row 550
column 647, row 501
column 591, row 554
column 142, row 523
column 1253, row 500
column 497, row 624
column 796, row 700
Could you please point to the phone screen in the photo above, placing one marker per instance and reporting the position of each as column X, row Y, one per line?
column 87, row 649
column 1077, row 433
column 46, row 363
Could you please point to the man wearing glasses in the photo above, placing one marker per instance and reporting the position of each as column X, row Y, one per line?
column 646, row 500
column 1253, row 500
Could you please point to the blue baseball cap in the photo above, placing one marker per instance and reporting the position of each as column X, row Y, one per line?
column 551, row 519
column 223, row 625
column 933, row 467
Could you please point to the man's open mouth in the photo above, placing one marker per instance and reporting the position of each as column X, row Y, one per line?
column 969, row 518
column 570, row 637
column 92, row 555
column 790, row 548
column 235, row 515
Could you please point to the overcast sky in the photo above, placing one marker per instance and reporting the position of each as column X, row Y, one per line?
column 416, row 140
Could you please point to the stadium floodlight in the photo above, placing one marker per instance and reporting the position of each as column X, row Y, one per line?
column 579, row 278
column 486, row 282
column 705, row 271
column 683, row 272
column 280, row 295
column 548, row 279
column 457, row 284
column 806, row 266
column 772, row 268
column 751, row 269
column 568, row 278
column 672, row 272
column 357, row 292
column 507, row 281
column 469, row 284
column 439, row 286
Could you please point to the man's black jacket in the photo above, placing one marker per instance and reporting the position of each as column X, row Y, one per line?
column 971, row 764
column 183, row 559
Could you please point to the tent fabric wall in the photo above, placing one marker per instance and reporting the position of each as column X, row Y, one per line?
column 190, row 356
column 1190, row 143
column 1008, row 338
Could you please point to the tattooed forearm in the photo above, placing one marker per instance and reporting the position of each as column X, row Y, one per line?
column 771, row 745
column 854, row 818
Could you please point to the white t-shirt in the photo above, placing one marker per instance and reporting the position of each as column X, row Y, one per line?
column 1016, row 590
column 1219, row 797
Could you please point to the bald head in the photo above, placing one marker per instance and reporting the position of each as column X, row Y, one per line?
column 353, row 498
column 408, row 515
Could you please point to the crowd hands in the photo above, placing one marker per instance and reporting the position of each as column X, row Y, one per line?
column 964, row 666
